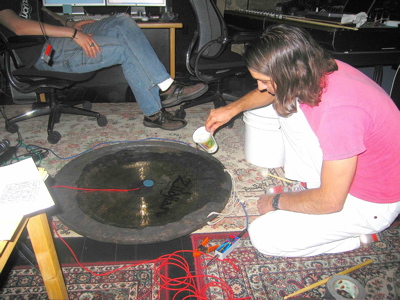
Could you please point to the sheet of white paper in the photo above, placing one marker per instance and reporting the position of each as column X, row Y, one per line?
column 8, row 227
column 22, row 191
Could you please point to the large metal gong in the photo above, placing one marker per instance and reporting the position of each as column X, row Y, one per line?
column 140, row 192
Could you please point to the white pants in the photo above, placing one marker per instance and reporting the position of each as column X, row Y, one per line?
column 285, row 233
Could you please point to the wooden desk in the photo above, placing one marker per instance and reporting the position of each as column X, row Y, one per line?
column 172, row 39
column 46, row 256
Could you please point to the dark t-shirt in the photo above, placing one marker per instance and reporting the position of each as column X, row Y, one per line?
column 23, row 8
column 27, row 9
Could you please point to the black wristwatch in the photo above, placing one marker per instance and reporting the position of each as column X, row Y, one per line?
column 275, row 202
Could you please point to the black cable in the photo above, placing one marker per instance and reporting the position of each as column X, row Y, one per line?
column 3, row 114
column 37, row 150
column 3, row 85
column 3, row 81
column 32, row 151
column 19, row 143
column 41, row 23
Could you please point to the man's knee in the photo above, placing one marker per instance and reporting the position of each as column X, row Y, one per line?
column 125, row 20
column 262, row 236
column 272, row 234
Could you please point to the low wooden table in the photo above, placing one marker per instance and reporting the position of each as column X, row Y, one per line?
column 46, row 256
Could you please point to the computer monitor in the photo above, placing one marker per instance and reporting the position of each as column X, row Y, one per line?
column 74, row 2
column 74, row 6
column 138, row 7
column 137, row 2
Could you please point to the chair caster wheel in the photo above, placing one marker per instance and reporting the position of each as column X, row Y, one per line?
column 87, row 105
column 102, row 121
column 180, row 113
column 54, row 137
column 12, row 128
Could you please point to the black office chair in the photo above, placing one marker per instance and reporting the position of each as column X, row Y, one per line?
column 210, row 58
column 395, row 89
column 28, row 79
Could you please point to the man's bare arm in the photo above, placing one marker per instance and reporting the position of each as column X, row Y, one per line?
column 21, row 26
column 336, row 179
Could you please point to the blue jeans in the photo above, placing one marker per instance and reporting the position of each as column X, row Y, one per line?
column 123, row 43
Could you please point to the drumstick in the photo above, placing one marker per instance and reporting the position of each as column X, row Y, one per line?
column 319, row 23
column 317, row 20
column 323, row 281
column 280, row 178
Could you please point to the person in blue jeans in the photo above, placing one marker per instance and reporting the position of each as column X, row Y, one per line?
column 90, row 45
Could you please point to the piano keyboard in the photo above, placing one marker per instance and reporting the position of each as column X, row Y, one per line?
column 100, row 17
column 262, row 13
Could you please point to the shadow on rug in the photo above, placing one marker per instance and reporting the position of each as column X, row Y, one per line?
column 252, row 275
column 134, row 281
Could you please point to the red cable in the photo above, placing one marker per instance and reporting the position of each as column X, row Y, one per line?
column 94, row 190
column 180, row 284
column 82, row 266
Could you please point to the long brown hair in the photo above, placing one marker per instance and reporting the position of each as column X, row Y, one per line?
column 294, row 61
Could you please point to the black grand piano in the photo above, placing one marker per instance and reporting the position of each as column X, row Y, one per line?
column 374, row 45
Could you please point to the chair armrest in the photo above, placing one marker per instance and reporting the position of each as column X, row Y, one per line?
column 241, row 35
column 245, row 36
column 17, row 42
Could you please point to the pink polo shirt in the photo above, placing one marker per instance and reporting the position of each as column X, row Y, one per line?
column 357, row 117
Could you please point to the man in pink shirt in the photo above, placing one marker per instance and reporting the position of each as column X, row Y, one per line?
column 341, row 133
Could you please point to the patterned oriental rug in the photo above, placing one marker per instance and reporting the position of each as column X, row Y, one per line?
column 133, row 282
column 258, row 276
column 255, row 276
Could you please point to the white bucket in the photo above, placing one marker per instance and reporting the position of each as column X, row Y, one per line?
column 263, row 138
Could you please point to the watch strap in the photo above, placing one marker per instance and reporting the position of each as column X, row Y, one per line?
column 275, row 201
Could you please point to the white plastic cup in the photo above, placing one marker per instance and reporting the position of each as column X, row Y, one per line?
column 205, row 140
